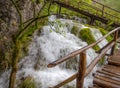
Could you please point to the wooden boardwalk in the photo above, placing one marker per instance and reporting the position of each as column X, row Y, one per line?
column 100, row 13
column 109, row 75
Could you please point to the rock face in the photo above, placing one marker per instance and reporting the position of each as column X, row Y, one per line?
column 9, row 22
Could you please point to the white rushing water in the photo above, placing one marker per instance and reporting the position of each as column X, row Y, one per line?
column 54, row 42
column 97, row 35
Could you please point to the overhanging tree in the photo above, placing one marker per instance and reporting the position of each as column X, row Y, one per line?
column 17, row 38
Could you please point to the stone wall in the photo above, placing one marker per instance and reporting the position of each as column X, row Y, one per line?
column 9, row 22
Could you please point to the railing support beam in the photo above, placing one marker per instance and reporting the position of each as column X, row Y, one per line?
column 115, row 39
column 81, row 70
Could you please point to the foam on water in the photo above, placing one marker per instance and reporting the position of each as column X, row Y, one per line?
column 51, row 45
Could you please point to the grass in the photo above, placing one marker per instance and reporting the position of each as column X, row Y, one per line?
column 27, row 83
column 74, row 30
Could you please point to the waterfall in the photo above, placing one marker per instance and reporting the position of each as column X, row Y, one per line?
column 97, row 35
column 54, row 41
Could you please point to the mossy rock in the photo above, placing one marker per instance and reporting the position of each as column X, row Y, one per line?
column 74, row 30
column 86, row 35
column 27, row 83
column 104, row 32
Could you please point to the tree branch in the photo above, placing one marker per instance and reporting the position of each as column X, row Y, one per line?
column 25, row 28
column 20, row 15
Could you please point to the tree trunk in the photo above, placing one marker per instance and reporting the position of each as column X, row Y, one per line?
column 12, row 78
column 14, row 64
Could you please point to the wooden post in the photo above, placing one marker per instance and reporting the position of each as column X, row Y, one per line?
column 79, row 4
column 81, row 70
column 96, row 12
column 115, row 39
column 59, row 11
column 49, row 6
column 103, row 10
column 92, row 19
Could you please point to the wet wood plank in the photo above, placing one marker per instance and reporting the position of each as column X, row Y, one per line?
column 108, row 78
column 109, row 75
column 114, row 60
column 104, row 84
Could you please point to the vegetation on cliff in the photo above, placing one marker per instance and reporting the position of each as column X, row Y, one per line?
column 16, row 45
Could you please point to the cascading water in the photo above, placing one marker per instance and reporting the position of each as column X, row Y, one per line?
column 97, row 35
column 54, row 42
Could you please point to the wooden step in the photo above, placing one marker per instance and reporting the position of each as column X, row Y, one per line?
column 113, row 68
column 117, row 53
column 114, row 60
column 108, row 73
column 107, row 77
column 104, row 84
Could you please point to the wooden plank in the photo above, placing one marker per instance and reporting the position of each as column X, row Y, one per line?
column 117, row 53
column 108, row 73
column 112, row 69
column 104, row 84
column 108, row 70
column 108, row 78
column 114, row 60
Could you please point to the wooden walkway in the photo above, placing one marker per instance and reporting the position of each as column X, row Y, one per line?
column 100, row 13
column 109, row 75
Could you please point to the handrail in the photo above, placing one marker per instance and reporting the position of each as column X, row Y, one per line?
column 106, row 6
column 80, row 50
column 102, row 12
column 82, row 72
column 89, row 68
column 102, row 9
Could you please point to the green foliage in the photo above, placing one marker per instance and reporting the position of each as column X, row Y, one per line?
column 112, row 3
column 25, row 38
column 57, row 25
column 74, row 30
column 102, row 61
column 54, row 8
column 108, row 27
column 86, row 35
column 87, row 1
column 38, row 1
column 104, row 32
column 27, row 83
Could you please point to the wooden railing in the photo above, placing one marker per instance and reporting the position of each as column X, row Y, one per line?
column 96, row 9
column 83, row 71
